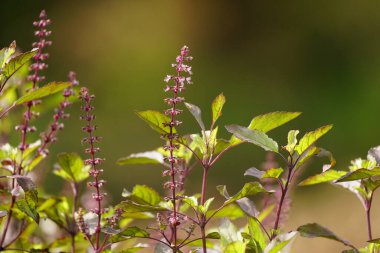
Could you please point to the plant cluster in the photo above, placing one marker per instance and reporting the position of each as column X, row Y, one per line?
column 179, row 221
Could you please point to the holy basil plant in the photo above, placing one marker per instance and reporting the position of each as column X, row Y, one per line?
column 175, row 219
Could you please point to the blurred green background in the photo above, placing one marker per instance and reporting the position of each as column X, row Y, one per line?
column 318, row 57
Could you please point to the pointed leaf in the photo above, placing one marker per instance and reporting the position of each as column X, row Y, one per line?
column 310, row 138
column 360, row 174
column 129, row 206
column 213, row 235
column 199, row 143
column 231, row 212
column 71, row 167
column 156, row 121
column 248, row 189
column 327, row 176
column 257, row 234
column 253, row 136
column 29, row 209
column 217, row 106
column 128, row 233
column 292, row 140
column 44, row 91
column 269, row 121
column 197, row 113
column 313, row 230
column 17, row 62
column 147, row 194
column 150, row 157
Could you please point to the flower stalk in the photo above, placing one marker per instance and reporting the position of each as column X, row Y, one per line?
column 93, row 161
column 179, row 81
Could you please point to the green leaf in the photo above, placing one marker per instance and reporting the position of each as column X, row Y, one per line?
column 253, row 136
column 156, row 121
column 28, row 205
column 6, row 53
column 129, row 206
column 235, row 247
column 28, row 208
column 259, row 174
column 248, row 189
column 359, row 174
column 146, row 195
column 44, row 91
column 313, row 230
column 210, row 136
column 269, row 121
column 231, row 212
column 273, row 173
column 199, row 143
column 257, row 234
column 128, row 233
column 217, row 106
column 221, row 145
column 213, row 235
column 292, row 140
column 310, row 138
column 327, row 176
column 150, row 157
column 197, row 113
column 204, row 208
column 71, row 167
column 17, row 62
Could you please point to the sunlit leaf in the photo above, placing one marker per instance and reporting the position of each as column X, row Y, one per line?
column 143, row 194
column 150, row 157
column 327, row 176
column 292, row 140
column 217, row 106
column 360, row 174
column 310, row 138
column 128, row 233
column 248, row 189
column 156, row 121
column 253, row 136
column 71, row 167
column 259, row 174
column 199, row 143
column 235, row 247
column 29, row 209
column 6, row 53
column 257, row 234
column 17, row 62
column 44, row 91
column 213, row 235
column 129, row 206
column 231, row 212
